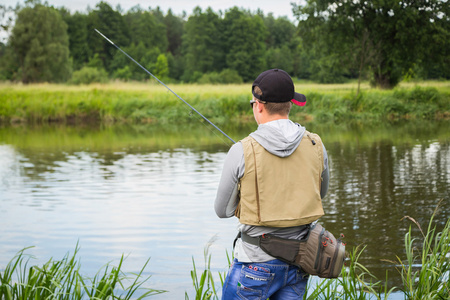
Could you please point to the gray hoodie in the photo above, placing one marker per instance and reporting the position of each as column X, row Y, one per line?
column 281, row 138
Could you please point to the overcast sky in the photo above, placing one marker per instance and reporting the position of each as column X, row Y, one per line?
column 278, row 8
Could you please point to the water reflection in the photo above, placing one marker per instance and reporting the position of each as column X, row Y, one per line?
column 149, row 192
column 375, row 186
column 156, row 204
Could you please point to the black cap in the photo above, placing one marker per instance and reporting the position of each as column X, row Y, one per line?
column 277, row 86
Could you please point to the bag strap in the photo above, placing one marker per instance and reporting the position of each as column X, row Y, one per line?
column 257, row 240
column 251, row 240
column 238, row 236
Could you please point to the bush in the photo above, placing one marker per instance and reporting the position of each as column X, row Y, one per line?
column 210, row 78
column 123, row 73
column 227, row 76
column 89, row 75
column 230, row 76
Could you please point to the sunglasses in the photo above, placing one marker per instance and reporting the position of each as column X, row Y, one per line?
column 254, row 101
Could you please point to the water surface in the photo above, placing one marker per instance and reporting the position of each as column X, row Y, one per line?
column 149, row 191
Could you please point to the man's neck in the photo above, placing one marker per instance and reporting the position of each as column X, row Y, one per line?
column 269, row 118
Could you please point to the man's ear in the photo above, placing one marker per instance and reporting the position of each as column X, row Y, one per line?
column 260, row 107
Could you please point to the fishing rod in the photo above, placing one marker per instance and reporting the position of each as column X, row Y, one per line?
column 148, row 72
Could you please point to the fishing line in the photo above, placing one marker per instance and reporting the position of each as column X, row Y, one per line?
column 148, row 72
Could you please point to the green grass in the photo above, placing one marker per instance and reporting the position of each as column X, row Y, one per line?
column 151, row 102
column 203, row 282
column 61, row 279
column 431, row 280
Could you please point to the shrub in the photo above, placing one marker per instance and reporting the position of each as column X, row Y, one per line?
column 210, row 78
column 230, row 76
column 227, row 76
column 89, row 75
column 123, row 73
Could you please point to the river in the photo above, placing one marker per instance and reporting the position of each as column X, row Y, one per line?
column 148, row 192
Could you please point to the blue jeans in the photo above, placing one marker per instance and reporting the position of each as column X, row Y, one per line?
column 273, row 279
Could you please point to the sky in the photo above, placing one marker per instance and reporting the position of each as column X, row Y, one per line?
column 278, row 8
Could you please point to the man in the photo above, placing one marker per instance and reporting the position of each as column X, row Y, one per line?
column 273, row 181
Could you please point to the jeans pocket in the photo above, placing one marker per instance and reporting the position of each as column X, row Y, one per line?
column 300, row 282
column 254, row 283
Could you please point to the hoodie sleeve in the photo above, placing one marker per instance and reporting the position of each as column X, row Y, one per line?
column 227, row 197
column 325, row 174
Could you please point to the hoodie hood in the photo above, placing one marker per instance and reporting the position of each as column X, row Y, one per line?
column 280, row 137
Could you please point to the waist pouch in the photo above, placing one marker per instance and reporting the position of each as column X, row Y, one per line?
column 320, row 253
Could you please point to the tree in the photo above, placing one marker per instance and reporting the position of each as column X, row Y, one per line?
column 6, row 22
column 146, row 57
column 281, row 31
column 280, row 58
column 112, row 24
column 176, row 66
column 161, row 69
column 40, row 41
column 175, row 28
column 437, row 64
column 387, row 36
column 78, row 38
column 202, row 52
column 282, row 44
column 245, row 36
column 8, row 58
column 145, row 27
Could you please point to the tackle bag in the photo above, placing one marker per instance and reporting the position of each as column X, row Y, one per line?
column 320, row 253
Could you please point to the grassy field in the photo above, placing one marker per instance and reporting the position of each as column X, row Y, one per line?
column 151, row 102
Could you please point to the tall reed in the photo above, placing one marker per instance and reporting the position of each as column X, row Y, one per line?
column 204, row 284
column 356, row 283
column 426, row 270
column 61, row 279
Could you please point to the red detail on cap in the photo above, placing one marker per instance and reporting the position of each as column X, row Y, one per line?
column 296, row 102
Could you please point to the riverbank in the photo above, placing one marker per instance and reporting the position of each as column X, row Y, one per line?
column 152, row 103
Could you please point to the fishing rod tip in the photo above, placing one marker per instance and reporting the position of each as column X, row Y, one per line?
column 104, row 37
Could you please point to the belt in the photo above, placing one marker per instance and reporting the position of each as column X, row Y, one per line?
column 252, row 240
column 249, row 239
column 246, row 238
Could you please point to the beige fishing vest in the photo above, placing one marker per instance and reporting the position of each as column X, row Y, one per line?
column 281, row 191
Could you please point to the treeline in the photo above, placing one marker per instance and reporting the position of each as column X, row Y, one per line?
column 332, row 41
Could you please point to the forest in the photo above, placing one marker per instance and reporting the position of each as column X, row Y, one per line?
column 383, row 42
